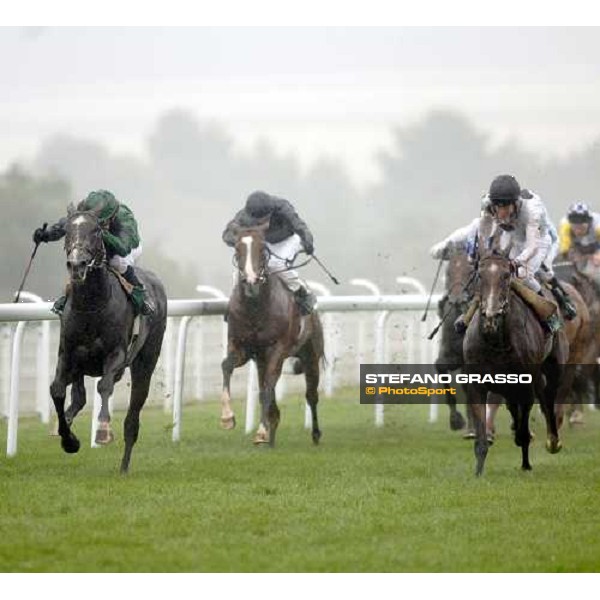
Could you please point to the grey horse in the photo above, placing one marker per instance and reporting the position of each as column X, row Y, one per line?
column 100, row 336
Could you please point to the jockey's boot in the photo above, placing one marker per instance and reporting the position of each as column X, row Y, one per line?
column 140, row 299
column 305, row 299
column 462, row 323
column 59, row 304
column 563, row 299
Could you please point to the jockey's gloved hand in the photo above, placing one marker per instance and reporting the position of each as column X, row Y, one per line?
column 438, row 250
column 518, row 269
column 308, row 247
column 40, row 235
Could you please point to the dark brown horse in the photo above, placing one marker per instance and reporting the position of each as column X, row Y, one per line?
column 265, row 325
column 460, row 283
column 505, row 334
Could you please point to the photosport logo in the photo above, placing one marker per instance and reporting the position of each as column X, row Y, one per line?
column 424, row 384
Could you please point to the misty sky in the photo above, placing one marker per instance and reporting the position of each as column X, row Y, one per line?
column 311, row 91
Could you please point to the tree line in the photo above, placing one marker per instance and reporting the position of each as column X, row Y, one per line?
column 191, row 181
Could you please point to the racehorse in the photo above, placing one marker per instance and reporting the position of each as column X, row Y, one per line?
column 100, row 335
column 585, row 365
column 459, row 285
column 454, row 302
column 505, row 334
column 265, row 325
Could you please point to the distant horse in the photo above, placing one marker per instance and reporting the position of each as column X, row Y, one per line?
column 97, row 336
column 265, row 325
column 459, row 286
column 451, row 306
column 585, row 366
column 505, row 333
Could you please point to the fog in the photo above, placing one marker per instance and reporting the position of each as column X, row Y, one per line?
column 383, row 138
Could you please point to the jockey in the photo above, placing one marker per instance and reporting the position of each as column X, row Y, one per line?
column 462, row 240
column 121, row 240
column 579, row 239
column 286, row 236
column 524, row 223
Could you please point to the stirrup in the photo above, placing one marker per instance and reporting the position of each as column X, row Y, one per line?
column 148, row 308
column 552, row 324
column 570, row 310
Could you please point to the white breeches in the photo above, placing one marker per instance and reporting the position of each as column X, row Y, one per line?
column 283, row 251
column 120, row 263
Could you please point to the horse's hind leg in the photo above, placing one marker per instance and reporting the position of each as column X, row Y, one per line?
column 310, row 361
column 234, row 358
column 269, row 371
column 520, row 407
column 58, row 391
column 552, row 400
column 78, row 398
column 106, row 386
column 141, row 375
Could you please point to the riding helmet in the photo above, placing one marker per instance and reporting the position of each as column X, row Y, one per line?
column 259, row 205
column 505, row 189
column 579, row 213
column 102, row 203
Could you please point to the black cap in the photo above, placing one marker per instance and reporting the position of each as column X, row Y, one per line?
column 259, row 205
column 504, row 190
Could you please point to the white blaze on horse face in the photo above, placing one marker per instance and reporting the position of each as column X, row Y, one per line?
column 79, row 220
column 251, row 276
column 492, row 304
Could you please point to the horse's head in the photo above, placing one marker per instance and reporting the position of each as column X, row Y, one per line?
column 252, row 256
column 495, row 273
column 458, row 273
column 83, row 244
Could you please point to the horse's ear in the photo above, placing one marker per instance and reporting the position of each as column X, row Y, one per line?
column 71, row 209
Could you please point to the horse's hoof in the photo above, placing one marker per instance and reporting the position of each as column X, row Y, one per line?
column 457, row 422
column 576, row 418
column 490, row 438
column 70, row 445
column 104, row 436
column 228, row 422
column 316, row 437
column 469, row 435
column 526, row 467
column 260, row 439
column 553, row 446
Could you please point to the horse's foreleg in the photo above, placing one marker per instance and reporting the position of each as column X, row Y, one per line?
column 106, row 385
column 456, row 420
column 58, row 391
column 233, row 359
column 476, row 398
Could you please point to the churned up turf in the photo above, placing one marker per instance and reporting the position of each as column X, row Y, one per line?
column 401, row 498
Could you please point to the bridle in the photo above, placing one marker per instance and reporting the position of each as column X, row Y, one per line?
column 98, row 258
column 504, row 282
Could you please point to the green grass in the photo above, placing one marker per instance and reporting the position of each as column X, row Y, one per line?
column 403, row 498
